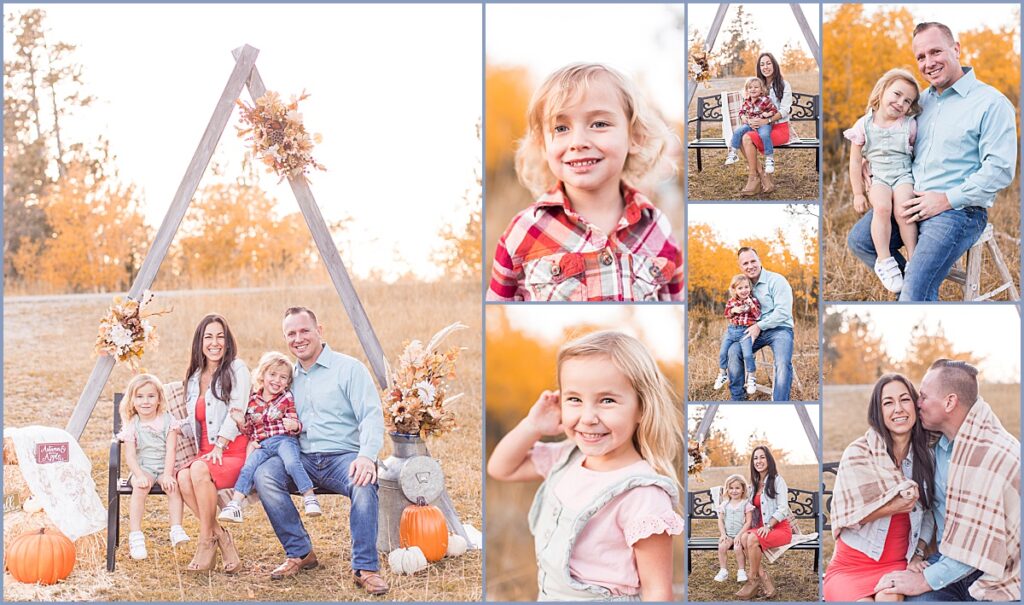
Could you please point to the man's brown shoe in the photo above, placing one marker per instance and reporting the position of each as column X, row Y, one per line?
column 292, row 566
column 371, row 582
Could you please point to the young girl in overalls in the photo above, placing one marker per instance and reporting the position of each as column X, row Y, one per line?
column 150, row 436
column 885, row 138
column 603, row 519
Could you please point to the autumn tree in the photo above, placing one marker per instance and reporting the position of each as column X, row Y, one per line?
column 854, row 353
column 796, row 60
column 991, row 53
column 758, row 438
column 508, row 92
column 928, row 344
column 460, row 244
column 739, row 49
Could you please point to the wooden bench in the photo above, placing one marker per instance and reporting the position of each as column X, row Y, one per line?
column 804, row 504
column 967, row 272
column 763, row 364
column 806, row 108
column 118, row 486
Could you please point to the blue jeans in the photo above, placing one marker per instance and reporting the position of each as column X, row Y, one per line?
column 737, row 334
column 957, row 591
column 765, row 132
column 330, row 472
column 285, row 447
column 780, row 341
column 941, row 240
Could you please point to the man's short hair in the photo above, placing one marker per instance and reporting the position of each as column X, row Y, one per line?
column 920, row 27
column 748, row 249
column 957, row 377
column 298, row 311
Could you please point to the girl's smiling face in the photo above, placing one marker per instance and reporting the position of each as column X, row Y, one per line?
column 146, row 401
column 276, row 380
column 600, row 411
column 743, row 290
column 897, row 99
column 587, row 143
column 754, row 89
column 735, row 490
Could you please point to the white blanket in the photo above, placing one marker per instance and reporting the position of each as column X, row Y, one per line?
column 65, row 489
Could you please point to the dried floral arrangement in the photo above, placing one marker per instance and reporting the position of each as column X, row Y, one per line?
column 416, row 400
column 696, row 460
column 700, row 68
column 125, row 332
column 278, row 136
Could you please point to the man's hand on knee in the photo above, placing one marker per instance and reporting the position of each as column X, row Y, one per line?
column 363, row 471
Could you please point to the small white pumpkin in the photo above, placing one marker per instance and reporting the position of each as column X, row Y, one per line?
column 32, row 505
column 407, row 560
column 456, row 546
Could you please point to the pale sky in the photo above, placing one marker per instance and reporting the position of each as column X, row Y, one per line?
column 958, row 17
column 773, row 24
column 759, row 220
column 661, row 325
column 779, row 422
column 396, row 93
column 645, row 41
column 989, row 330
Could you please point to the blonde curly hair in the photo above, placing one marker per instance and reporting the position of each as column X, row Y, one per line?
column 564, row 87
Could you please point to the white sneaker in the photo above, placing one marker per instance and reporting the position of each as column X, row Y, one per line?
column 732, row 158
column 769, row 165
column 723, row 575
column 312, row 506
column 721, row 380
column 751, row 384
column 178, row 535
column 888, row 270
column 741, row 575
column 137, row 545
column 231, row 513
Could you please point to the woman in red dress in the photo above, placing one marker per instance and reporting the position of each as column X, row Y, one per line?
column 216, row 381
column 877, row 535
column 770, row 497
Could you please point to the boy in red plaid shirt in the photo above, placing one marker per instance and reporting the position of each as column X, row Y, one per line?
column 591, row 235
column 757, row 104
column 272, row 426
column 742, row 310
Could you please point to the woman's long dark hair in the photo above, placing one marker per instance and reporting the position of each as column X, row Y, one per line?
column 924, row 464
column 221, row 384
column 770, row 473
column 777, row 85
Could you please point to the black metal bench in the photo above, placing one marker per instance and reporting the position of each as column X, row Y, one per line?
column 833, row 468
column 806, row 108
column 118, row 486
column 804, row 504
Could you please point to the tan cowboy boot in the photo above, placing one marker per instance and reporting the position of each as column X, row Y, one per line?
column 749, row 589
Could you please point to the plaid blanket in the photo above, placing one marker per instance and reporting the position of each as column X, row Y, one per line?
column 186, row 449
column 867, row 478
column 983, row 505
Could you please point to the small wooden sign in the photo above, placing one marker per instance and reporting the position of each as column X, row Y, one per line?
column 49, row 453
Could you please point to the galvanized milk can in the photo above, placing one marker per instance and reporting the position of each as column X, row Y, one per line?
column 408, row 474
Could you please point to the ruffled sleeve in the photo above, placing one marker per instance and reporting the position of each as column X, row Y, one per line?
column 912, row 134
column 544, row 455
column 650, row 513
column 748, row 507
column 127, row 434
column 856, row 135
column 175, row 424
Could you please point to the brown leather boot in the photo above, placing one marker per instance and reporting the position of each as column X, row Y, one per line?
column 749, row 589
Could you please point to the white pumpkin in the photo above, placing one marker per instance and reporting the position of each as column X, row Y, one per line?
column 32, row 505
column 456, row 546
column 407, row 560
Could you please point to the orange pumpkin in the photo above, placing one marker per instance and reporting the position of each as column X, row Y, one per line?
column 424, row 526
column 43, row 556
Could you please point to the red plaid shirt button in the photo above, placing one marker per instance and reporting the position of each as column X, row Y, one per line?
column 606, row 258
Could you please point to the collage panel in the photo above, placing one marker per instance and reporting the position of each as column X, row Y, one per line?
column 587, row 398
column 753, row 302
column 753, row 501
column 753, row 102
column 583, row 152
column 921, row 136
column 922, row 452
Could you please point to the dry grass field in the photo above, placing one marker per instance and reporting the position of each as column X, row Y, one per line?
column 847, row 278
column 705, row 339
column 793, row 573
column 48, row 356
column 511, row 562
column 845, row 418
column 795, row 176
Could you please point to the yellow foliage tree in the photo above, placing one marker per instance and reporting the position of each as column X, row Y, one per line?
column 508, row 93
column 854, row 354
column 796, row 60
column 927, row 345
column 757, row 438
column 991, row 53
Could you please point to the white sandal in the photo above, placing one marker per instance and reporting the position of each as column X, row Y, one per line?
column 137, row 545
column 178, row 535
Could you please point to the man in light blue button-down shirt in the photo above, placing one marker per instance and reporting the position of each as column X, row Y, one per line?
column 342, row 432
column 965, row 153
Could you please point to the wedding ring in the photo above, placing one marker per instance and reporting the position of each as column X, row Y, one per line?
column 920, row 216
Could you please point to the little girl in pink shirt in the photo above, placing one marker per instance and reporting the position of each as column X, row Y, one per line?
column 604, row 518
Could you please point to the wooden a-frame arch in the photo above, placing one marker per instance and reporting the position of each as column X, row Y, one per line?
column 801, row 412
column 716, row 24
column 243, row 75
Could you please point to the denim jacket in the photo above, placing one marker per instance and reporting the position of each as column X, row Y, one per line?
column 869, row 538
column 218, row 423
column 777, row 507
